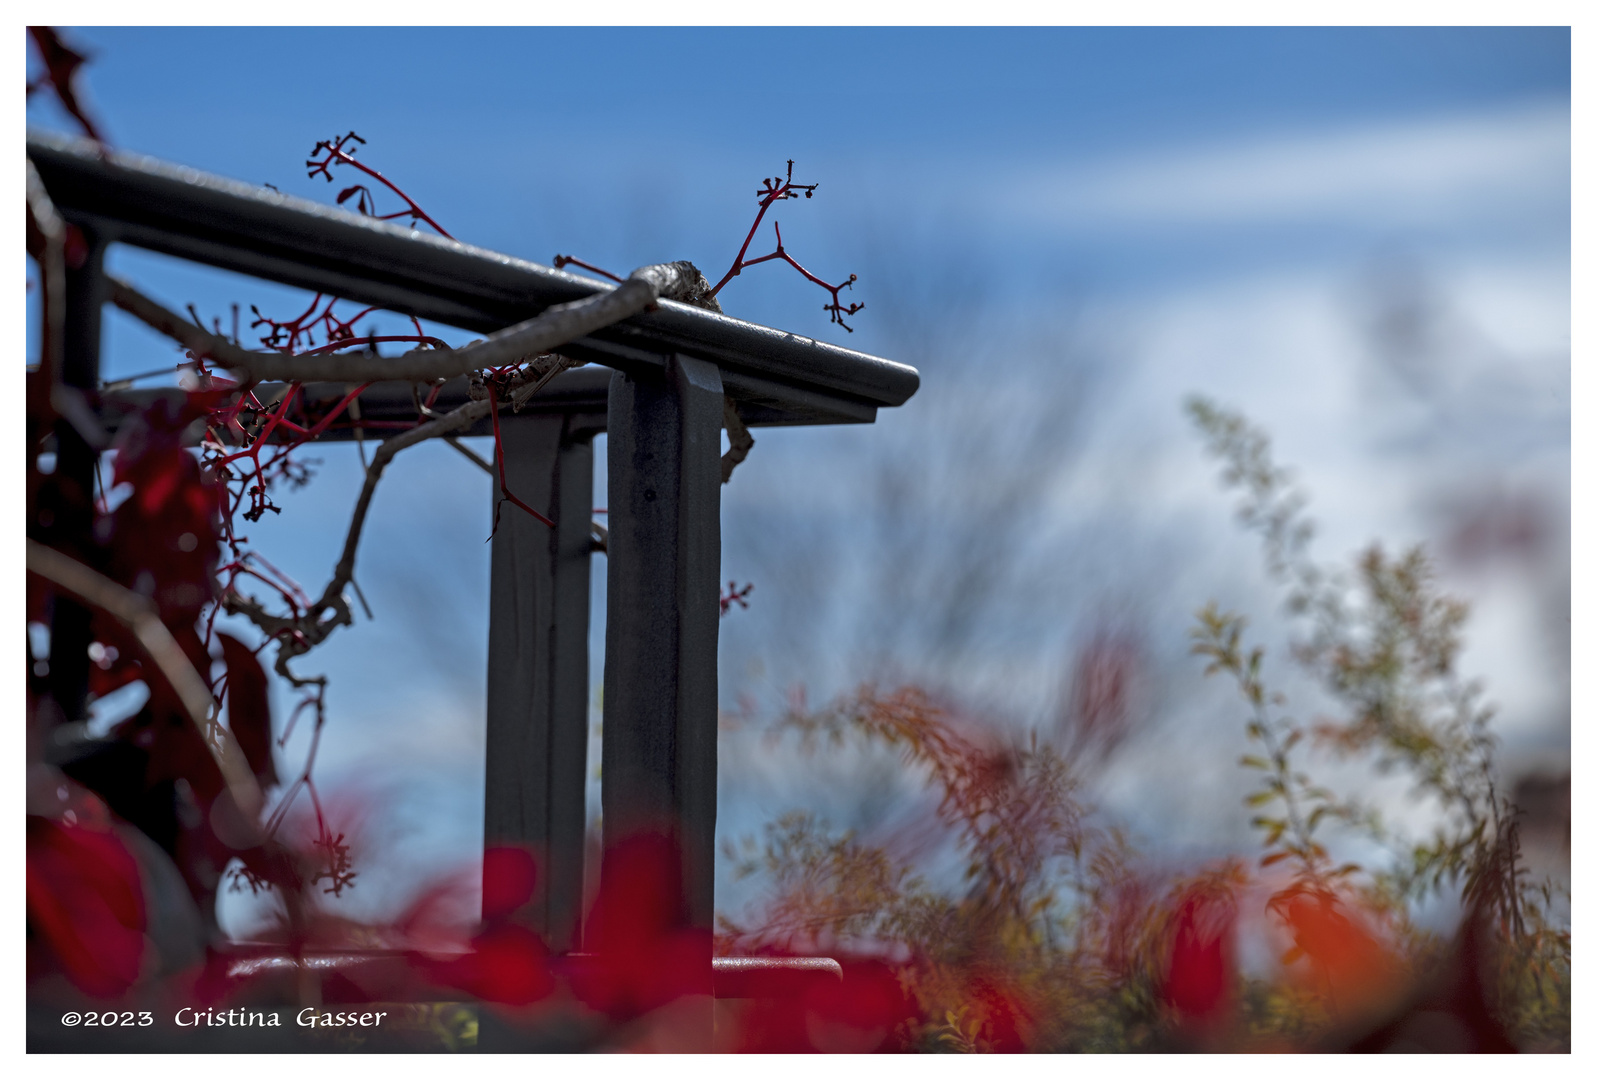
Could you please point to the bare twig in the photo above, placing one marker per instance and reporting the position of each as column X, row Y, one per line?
column 471, row 455
column 138, row 614
column 453, row 440
column 298, row 635
column 336, row 153
column 505, row 494
column 563, row 261
column 360, row 430
column 739, row 440
column 364, row 606
column 774, row 190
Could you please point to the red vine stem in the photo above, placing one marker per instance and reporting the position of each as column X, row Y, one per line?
column 335, row 151
column 774, row 190
column 374, row 340
column 561, row 261
column 499, row 459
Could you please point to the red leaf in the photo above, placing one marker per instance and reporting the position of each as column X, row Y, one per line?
column 249, row 715
column 61, row 69
column 86, row 905
column 1003, row 1015
column 860, row 1013
column 164, row 537
column 1201, row 969
column 507, row 964
column 1343, row 951
column 644, row 955
column 347, row 192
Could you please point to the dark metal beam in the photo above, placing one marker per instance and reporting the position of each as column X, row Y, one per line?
column 660, row 704
column 75, row 463
column 581, row 394
column 138, row 200
column 658, row 775
column 538, row 666
column 385, row 408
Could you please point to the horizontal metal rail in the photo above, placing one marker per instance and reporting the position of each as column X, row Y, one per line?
column 388, row 408
column 776, row 377
column 394, row 973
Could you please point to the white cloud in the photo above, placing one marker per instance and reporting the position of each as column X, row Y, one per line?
column 1416, row 171
column 1287, row 350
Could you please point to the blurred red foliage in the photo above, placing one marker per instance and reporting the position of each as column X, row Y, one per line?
column 248, row 711
column 1201, row 972
column 1346, row 960
column 505, row 963
column 61, row 64
column 162, row 539
column 643, row 955
column 1101, row 702
column 86, row 906
column 867, row 1011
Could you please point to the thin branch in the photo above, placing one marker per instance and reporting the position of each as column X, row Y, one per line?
column 562, row 261
column 364, row 606
column 554, row 327
column 127, row 382
column 448, row 423
column 471, row 455
column 519, row 396
column 505, row 494
column 360, row 430
column 453, row 440
column 740, row 442
column 336, row 152
column 774, row 190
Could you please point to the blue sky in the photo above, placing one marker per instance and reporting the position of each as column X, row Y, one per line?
column 1138, row 213
column 1012, row 92
column 534, row 140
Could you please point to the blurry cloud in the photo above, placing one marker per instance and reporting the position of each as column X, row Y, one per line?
column 1430, row 170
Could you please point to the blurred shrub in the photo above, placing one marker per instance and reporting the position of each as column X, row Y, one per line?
column 1058, row 936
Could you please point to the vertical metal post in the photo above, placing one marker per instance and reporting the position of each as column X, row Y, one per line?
column 538, row 665
column 76, row 462
column 660, row 703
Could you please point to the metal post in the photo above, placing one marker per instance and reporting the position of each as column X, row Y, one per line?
column 538, row 664
column 660, row 704
column 76, row 462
